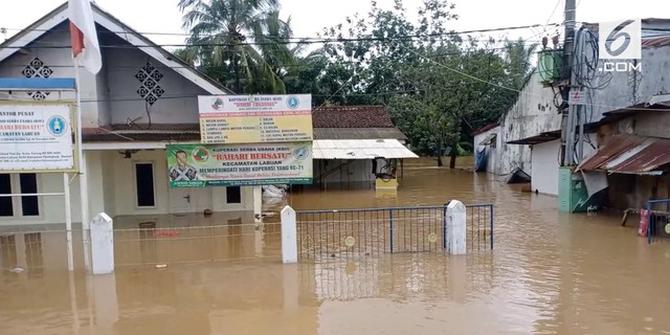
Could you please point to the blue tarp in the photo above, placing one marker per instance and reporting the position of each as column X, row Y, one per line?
column 481, row 158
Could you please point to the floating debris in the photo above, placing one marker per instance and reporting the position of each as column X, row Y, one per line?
column 17, row 270
column 161, row 266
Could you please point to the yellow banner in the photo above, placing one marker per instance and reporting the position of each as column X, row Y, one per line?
column 255, row 119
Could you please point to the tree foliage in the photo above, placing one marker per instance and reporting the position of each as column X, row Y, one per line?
column 437, row 85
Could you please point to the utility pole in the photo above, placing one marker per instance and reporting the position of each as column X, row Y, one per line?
column 568, row 113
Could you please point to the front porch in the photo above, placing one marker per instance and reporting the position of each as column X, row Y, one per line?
column 121, row 183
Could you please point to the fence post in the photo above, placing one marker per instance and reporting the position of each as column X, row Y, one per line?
column 456, row 220
column 289, row 235
column 649, row 217
column 102, row 244
column 491, row 224
column 391, row 229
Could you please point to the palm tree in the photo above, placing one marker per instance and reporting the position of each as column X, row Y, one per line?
column 229, row 37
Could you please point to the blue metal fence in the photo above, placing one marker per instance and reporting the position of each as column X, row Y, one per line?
column 388, row 230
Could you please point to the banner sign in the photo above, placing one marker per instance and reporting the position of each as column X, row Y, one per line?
column 235, row 119
column 196, row 165
column 36, row 137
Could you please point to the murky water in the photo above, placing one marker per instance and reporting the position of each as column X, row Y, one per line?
column 548, row 274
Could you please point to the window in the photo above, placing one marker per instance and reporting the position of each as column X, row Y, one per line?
column 144, row 182
column 233, row 195
column 6, row 204
column 28, row 184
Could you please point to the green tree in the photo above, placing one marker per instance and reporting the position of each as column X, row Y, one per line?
column 223, row 38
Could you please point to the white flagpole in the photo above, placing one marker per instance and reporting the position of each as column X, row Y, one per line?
column 83, row 181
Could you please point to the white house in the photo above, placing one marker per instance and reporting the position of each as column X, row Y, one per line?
column 142, row 99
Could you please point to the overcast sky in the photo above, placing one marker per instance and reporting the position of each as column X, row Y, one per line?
column 310, row 16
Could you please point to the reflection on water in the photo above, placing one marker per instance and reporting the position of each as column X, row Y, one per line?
column 549, row 273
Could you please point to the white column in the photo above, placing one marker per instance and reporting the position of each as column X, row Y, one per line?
column 258, row 203
column 102, row 244
column 83, row 191
column 456, row 218
column 289, row 235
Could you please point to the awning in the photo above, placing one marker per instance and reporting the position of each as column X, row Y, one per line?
column 489, row 139
column 360, row 149
column 547, row 136
column 629, row 154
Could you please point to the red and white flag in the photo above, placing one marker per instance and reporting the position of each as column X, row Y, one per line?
column 84, row 38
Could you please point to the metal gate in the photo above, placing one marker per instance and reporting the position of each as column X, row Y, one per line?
column 377, row 231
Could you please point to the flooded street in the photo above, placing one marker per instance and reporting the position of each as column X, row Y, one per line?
column 549, row 273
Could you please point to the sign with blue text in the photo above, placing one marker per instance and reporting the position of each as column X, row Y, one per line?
column 236, row 119
column 36, row 137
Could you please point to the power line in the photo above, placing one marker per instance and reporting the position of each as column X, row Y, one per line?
column 472, row 31
column 278, row 66
column 309, row 40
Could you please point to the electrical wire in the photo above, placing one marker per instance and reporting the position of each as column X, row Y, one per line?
column 319, row 38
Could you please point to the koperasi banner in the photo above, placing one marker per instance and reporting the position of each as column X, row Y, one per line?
column 200, row 165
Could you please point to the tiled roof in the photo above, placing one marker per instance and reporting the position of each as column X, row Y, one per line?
column 358, row 133
column 333, row 122
column 351, row 117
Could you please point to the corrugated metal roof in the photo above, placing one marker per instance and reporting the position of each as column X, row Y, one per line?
column 629, row 154
column 360, row 149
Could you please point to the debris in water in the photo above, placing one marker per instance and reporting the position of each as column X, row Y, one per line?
column 16, row 269
column 161, row 266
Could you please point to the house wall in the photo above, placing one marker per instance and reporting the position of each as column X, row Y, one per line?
column 628, row 88
column 533, row 113
column 492, row 150
column 179, row 104
column 343, row 171
column 111, row 97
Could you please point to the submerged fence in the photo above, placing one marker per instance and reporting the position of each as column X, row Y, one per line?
column 658, row 219
column 376, row 231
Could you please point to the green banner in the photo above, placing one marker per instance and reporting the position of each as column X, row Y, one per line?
column 201, row 165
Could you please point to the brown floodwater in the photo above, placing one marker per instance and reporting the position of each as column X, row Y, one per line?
column 549, row 273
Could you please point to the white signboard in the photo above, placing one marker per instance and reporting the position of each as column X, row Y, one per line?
column 35, row 137
column 238, row 119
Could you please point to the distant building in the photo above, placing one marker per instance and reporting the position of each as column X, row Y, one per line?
column 529, row 133
column 142, row 99
column 353, row 144
column 632, row 162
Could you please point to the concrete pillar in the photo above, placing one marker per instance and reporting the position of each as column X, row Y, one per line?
column 102, row 244
column 258, row 203
column 456, row 220
column 289, row 235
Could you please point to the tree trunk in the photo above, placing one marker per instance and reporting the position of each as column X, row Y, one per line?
column 439, row 154
column 452, row 160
